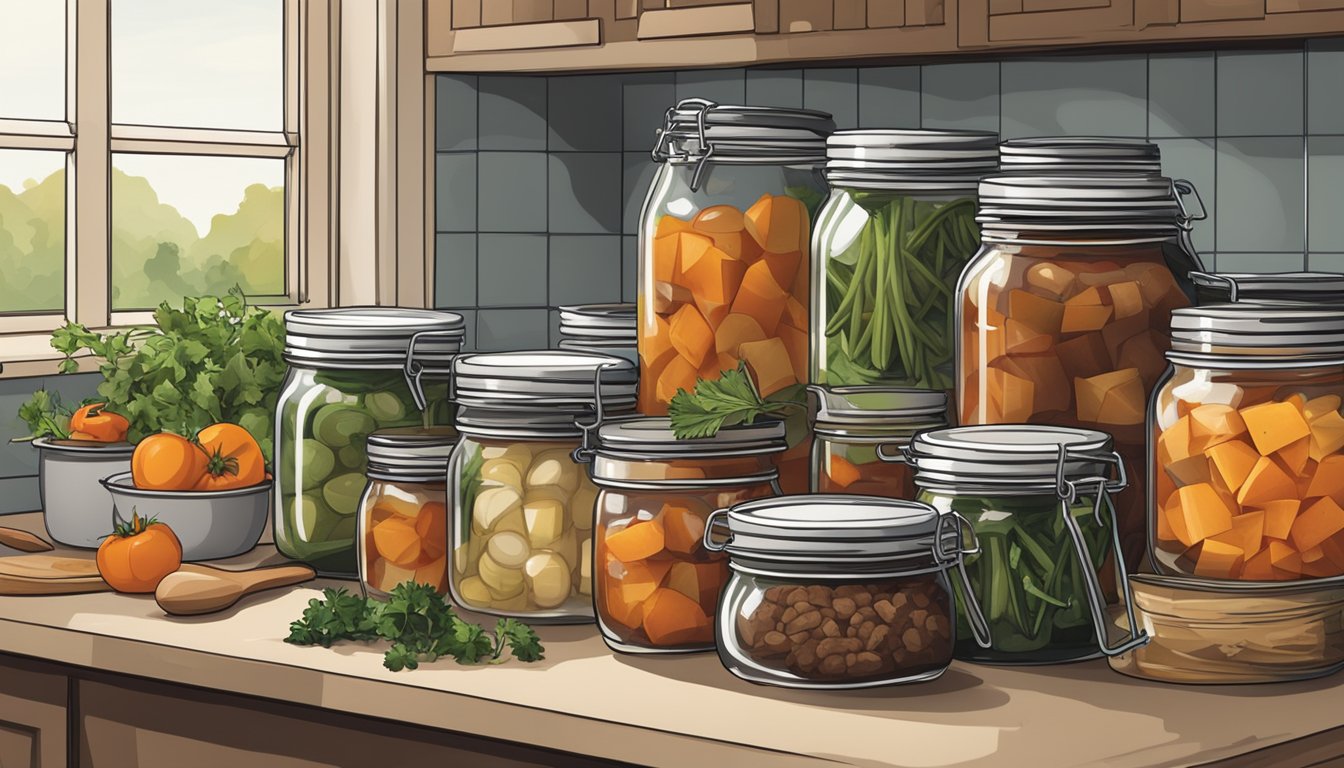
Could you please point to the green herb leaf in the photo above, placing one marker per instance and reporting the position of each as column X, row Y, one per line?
column 727, row 402
column 522, row 640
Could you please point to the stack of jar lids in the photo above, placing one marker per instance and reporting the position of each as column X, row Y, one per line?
column 915, row 160
column 602, row 328
column 878, row 412
column 1067, row 202
column 742, row 134
column 373, row 337
column 410, row 453
column 1001, row 458
column 1306, row 287
column 1257, row 335
column 544, row 390
column 1080, row 155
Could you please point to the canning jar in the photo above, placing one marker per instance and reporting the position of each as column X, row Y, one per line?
column 1039, row 500
column 1240, row 287
column 657, row 585
column 403, row 515
column 602, row 329
column 891, row 242
column 724, row 242
column 860, row 435
column 1248, row 444
column 838, row 591
column 523, row 508
column 348, row 376
column 1066, row 311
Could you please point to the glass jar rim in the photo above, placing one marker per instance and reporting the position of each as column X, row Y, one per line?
column 373, row 338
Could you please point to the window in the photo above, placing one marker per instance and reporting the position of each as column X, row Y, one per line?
column 159, row 157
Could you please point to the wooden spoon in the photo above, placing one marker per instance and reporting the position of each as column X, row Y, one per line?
column 198, row 589
column 23, row 541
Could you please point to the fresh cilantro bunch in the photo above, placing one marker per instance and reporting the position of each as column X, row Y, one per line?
column 418, row 623
column 46, row 416
column 215, row 359
column 729, row 401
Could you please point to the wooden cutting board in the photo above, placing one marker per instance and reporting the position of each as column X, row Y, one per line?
column 49, row 575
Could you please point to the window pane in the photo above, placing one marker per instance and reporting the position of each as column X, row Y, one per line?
column 32, row 59
column 186, row 225
column 32, row 230
column 198, row 63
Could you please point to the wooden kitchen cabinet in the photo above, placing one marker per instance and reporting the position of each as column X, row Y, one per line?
column 33, row 701
column 459, row 27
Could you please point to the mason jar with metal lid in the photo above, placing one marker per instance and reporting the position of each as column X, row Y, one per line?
column 1065, row 313
column 523, row 508
column 839, row 591
column 656, row 586
column 1105, row 155
column 351, row 371
column 403, row 515
column 891, row 242
column 1247, row 449
column 1039, row 501
column 724, row 243
column 860, row 435
column 603, row 329
column 1303, row 287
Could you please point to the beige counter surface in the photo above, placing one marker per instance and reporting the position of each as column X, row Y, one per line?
column 680, row 711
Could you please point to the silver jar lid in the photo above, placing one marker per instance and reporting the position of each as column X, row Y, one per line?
column 412, row 454
column 1257, row 335
column 1080, row 154
column 539, row 395
column 1309, row 287
column 696, row 128
column 372, row 337
column 841, row 533
column 1112, row 201
column 1007, row 458
column 877, row 412
column 599, row 321
column 950, row 162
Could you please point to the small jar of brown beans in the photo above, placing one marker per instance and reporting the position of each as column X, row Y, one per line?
column 837, row 591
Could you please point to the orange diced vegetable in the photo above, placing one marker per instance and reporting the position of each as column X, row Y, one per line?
column 431, row 525
column 1174, row 442
column 1284, row 556
column 1333, row 548
column 636, row 541
column 1019, row 339
column 1051, row 385
column 1327, row 434
column 1080, row 318
column 770, row 366
column 1247, row 531
column 1126, row 298
column 1329, row 479
column 1218, row 560
column 671, row 618
column 684, row 579
column 683, row 529
column 1189, row 471
column 1320, row 406
column 760, row 297
column 734, row 330
column 1300, row 403
column 713, row 280
column 1203, row 512
column 841, row 471
column 1050, row 278
column 1259, row 568
column 1084, row 356
column 691, row 248
column 668, row 297
column 1234, row 461
column 1293, row 456
column 1011, row 395
column 1039, row 314
column 1170, row 513
column 795, row 341
column 1274, row 425
column 1089, row 297
column 432, row 572
column 783, row 266
column 1211, row 424
column 691, row 335
column 1111, row 398
column 778, row 222
column 679, row 374
column 1145, row 351
column 795, row 313
column 1315, row 554
column 396, row 540
column 1279, row 517
column 665, row 258
column 1267, row 482
column 670, row 225
column 718, row 219
column 1318, row 522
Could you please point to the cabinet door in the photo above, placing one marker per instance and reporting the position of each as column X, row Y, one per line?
column 991, row 22
column 697, row 18
column 473, row 26
column 32, row 715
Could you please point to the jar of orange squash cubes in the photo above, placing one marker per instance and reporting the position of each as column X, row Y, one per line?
column 724, row 244
column 1248, row 444
column 1065, row 313
column 656, row 586
column 403, row 515
column 860, row 435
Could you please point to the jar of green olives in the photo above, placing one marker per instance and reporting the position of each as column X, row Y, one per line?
column 351, row 371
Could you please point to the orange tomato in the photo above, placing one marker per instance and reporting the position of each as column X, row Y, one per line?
column 234, row 458
column 167, row 462
column 95, row 422
column 137, row 555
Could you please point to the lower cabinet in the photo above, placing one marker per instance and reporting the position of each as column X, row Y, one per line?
column 32, row 714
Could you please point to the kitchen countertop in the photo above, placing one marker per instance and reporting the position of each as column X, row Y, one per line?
column 687, row 710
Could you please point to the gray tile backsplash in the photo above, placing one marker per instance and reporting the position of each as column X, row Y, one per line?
column 541, row 178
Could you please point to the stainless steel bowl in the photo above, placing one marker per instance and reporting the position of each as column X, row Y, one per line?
column 75, row 510
column 210, row 524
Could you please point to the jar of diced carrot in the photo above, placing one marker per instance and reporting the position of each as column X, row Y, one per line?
column 656, row 584
column 403, row 515
column 1247, row 454
column 1065, row 312
column 860, row 435
column 724, row 244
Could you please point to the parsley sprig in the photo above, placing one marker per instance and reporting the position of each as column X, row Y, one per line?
column 731, row 400
column 418, row 623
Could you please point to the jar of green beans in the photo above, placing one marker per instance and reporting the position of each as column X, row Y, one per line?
column 890, row 244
